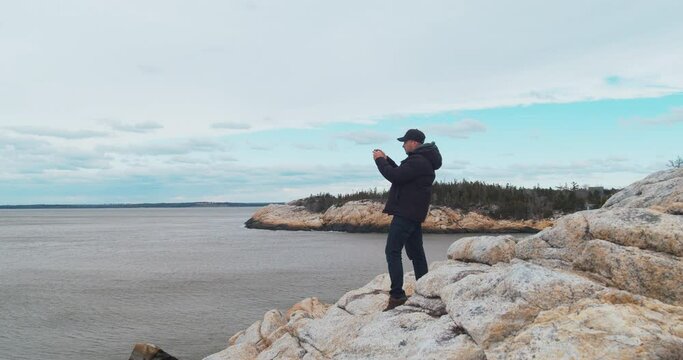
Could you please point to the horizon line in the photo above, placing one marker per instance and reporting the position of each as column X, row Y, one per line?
column 144, row 205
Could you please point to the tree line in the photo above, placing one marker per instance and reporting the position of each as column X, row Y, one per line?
column 494, row 200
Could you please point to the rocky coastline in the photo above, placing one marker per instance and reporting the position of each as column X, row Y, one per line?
column 603, row 283
column 366, row 216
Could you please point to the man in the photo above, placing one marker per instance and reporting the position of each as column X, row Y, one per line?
column 409, row 196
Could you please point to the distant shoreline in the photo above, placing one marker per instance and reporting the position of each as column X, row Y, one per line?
column 141, row 205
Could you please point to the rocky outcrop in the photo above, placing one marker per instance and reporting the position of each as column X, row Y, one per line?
column 367, row 216
column 483, row 249
column 662, row 191
column 604, row 284
column 356, row 216
column 284, row 217
column 275, row 336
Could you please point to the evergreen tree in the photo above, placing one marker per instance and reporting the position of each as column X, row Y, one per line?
column 494, row 200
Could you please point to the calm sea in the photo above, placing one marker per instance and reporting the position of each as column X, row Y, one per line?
column 89, row 283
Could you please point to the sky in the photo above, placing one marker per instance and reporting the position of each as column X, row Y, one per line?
column 251, row 101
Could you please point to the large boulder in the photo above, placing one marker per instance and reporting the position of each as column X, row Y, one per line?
column 611, row 326
column 497, row 303
column 661, row 191
column 285, row 217
column 642, row 228
column 634, row 249
column 357, row 216
column 657, row 275
column 483, row 249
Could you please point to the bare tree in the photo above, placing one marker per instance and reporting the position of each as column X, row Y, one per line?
column 676, row 163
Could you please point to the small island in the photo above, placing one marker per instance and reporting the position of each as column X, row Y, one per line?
column 457, row 207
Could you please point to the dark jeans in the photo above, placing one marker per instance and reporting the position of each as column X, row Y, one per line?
column 408, row 233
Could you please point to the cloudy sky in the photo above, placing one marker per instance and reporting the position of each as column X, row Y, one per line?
column 167, row 101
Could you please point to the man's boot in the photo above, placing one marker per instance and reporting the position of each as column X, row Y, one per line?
column 394, row 302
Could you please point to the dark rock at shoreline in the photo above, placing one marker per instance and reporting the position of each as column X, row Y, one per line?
column 142, row 351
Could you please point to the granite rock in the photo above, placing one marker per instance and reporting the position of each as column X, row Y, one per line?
column 483, row 249
column 661, row 191
column 602, row 283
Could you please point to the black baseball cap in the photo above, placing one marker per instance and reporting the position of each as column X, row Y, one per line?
column 413, row 134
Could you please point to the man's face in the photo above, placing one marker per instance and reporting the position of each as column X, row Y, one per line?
column 410, row 145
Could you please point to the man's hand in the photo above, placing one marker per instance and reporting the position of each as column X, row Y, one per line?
column 377, row 153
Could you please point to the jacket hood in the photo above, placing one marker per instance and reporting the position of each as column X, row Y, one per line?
column 431, row 152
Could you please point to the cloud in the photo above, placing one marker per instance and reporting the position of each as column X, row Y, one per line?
column 197, row 175
column 276, row 76
column 265, row 67
column 589, row 166
column 21, row 143
column 365, row 137
column 293, row 176
column 165, row 147
column 215, row 160
column 613, row 80
column 307, row 146
column 57, row 133
column 201, row 178
column 231, row 125
column 455, row 165
column 610, row 170
column 23, row 159
column 76, row 159
column 139, row 127
column 258, row 146
column 149, row 69
column 674, row 116
column 460, row 129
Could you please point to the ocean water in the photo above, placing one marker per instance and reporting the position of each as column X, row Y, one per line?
column 89, row 283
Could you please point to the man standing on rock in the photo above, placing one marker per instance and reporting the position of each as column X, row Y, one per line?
column 409, row 196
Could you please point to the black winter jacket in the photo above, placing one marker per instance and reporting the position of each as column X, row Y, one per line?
column 411, row 182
